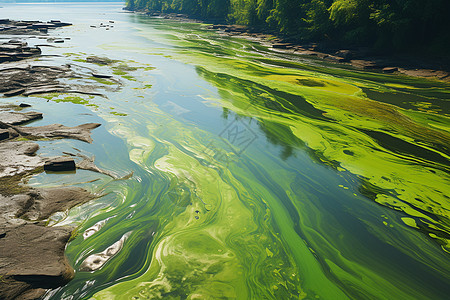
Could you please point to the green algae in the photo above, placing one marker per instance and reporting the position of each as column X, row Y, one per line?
column 129, row 77
column 16, row 184
column 339, row 131
column 118, row 114
column 118, row 67
column 215, row 266
column 125, row 68
column 102, row 80
column 119, row 72
column 62, row 97
column 266, row 225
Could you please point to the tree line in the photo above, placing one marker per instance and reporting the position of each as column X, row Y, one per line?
column 391, row 25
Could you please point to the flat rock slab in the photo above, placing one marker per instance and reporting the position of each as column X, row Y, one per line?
column 33, row 255
column 335, row 58
column 45, row 89
column 390, row 69
column 101, row 75
column 81, row 132
column 60, row 164
column 87, row 163
column 14, row 92
column 367, row 64
column 16, row 50
column 18, row 158
column 40, row 204
column 11, row 27
column 4, row 134
column 31, row 239
column 426, row 73
column 17, row 118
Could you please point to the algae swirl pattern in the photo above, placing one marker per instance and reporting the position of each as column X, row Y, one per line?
column 341, row 194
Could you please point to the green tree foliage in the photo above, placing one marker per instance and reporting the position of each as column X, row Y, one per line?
column 243, row 12
column 385, row 24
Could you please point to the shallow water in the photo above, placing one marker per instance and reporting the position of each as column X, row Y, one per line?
column 256, row 174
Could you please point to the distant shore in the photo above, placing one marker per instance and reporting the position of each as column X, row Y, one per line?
column 360, row 58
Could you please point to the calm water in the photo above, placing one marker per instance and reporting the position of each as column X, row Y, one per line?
column 256, row 174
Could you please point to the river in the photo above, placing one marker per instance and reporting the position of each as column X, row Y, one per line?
column 255, row 174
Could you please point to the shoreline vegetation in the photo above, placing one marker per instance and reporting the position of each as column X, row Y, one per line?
column 338, row 34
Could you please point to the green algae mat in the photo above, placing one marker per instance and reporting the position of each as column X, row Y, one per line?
column 252, row 174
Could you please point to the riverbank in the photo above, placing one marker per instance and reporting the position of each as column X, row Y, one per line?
column 358, row 58
column 32, row 257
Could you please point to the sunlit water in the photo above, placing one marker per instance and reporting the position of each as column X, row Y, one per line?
column 256, row 174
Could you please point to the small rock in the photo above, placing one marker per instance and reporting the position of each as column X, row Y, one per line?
column 4, row 134
column 24, row 105
column 62, row 24
column 99, row 60
column 345, row 54
column 14, row 92
column 364, row 64
column 335, row 58
column 101, row 75
column 58, row 41
column 60, row 164
column 282, row 46
column 390, row 69
column 322, row 55
column 218, row 26
column 17, row 42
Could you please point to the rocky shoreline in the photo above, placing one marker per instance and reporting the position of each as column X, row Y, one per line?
column 31, row 254
column 359, row 58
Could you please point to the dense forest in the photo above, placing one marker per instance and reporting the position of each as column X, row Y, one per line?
column 389, row 25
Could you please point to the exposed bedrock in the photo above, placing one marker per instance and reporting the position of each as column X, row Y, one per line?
column 12, row 27
column 32, row 260
column 16, row 118
column 31, row 254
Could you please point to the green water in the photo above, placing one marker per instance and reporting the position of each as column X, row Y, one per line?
column 255, row 174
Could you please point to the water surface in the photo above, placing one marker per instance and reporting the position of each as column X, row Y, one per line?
column 256, row 174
